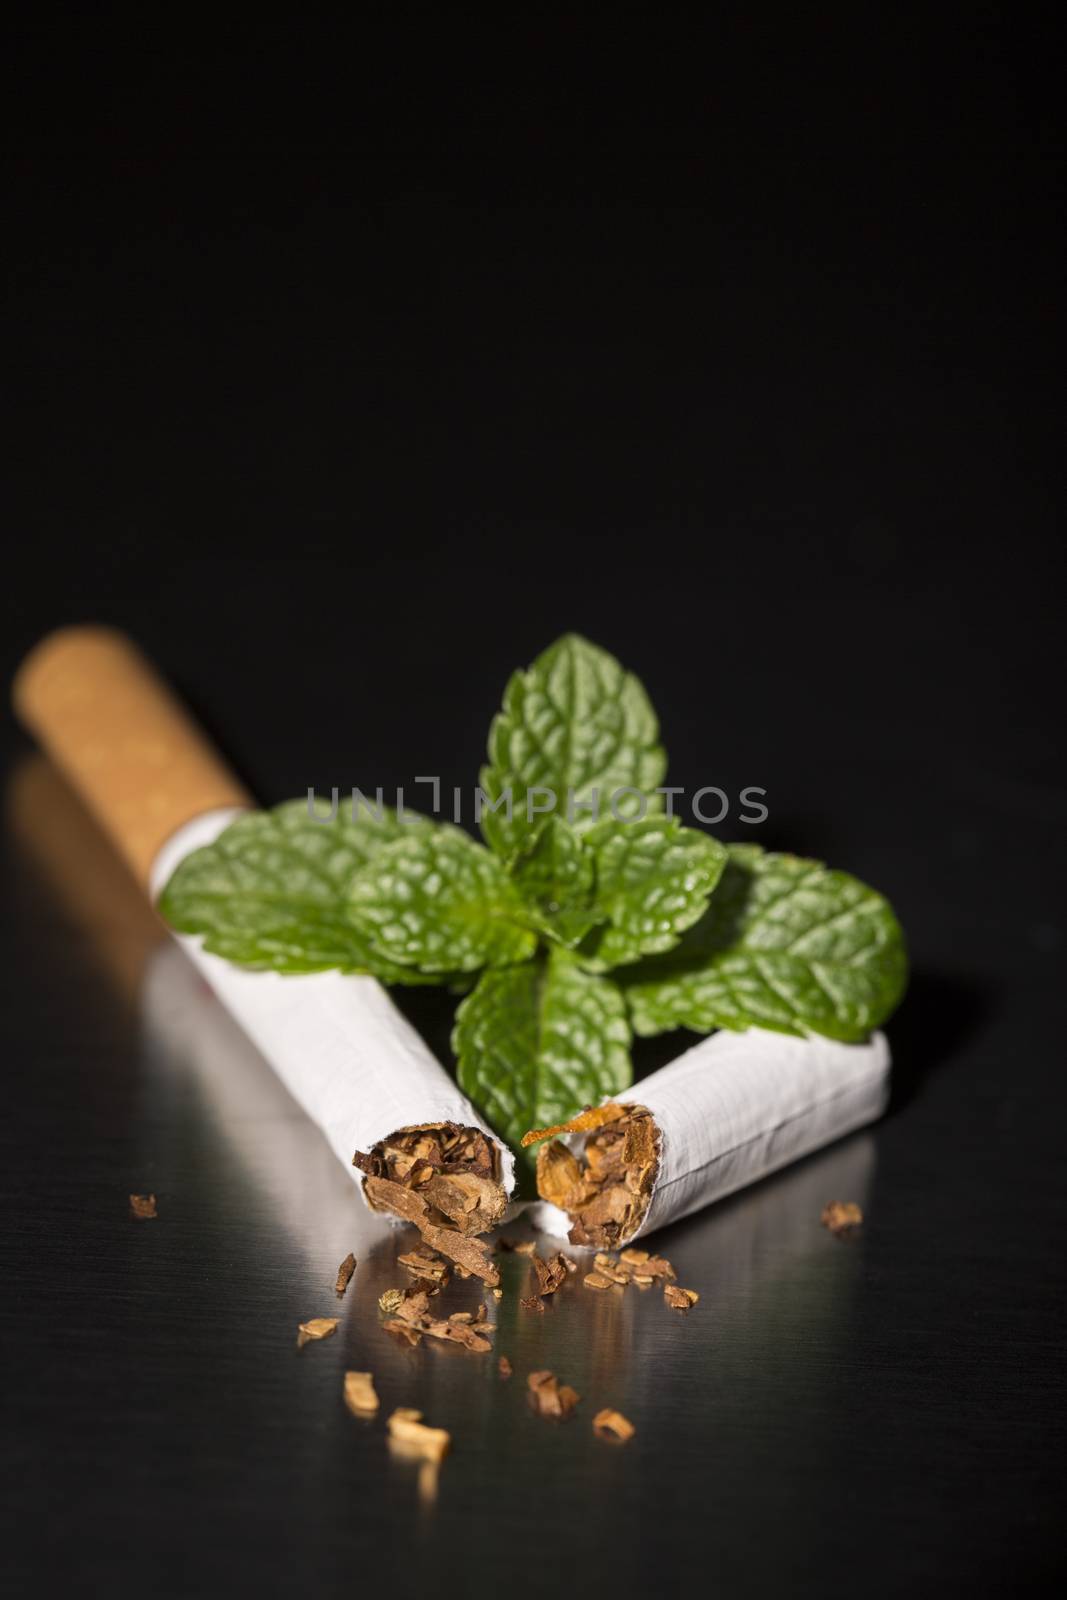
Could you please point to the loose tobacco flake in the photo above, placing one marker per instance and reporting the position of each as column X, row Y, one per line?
column 410, row 1436
column 549, row 1398
column 345, row 1272
column 359, row 1393
column 405, row 1332
column 841, row 1216
column 504, row 1367
column 413, row 1320
column 532, row 1302
column 317, row 1328
column 550, row 1274
column 143, row 1207
column 680, row 1299
column 613, row 1425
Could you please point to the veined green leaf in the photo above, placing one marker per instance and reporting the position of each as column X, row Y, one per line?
column 653, row 880
column 440, row 902
column 786, row 944
column 271, row 891
column 555, row 874
column 535, row 1042
column 573, row 723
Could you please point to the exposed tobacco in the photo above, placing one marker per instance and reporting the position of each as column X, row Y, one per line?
column 143, row 1206
column 680, row 1299
column 607, row 1189
column 504, row 1367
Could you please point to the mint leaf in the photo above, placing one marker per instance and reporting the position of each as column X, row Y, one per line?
column 537, row 1041
column 555, row 874
column 270, row 892
column 441, row 903
column 575, row 721
column 786, row 944
column 653, row 879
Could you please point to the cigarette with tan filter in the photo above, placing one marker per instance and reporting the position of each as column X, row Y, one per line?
column 158, row 788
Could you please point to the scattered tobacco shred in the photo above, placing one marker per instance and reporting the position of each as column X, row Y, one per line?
column 596, row 1280
column 412, row 1319
column 359, row 1393
column 345, row 1271
column 504, row 1367
column 390, row 1301
column 532, row 1302
column 520, row 1247
column 841, row 1216
column 143, row 1206
column 446, row 1180
column 606, row 1192
column 549, row 1398
column 426, row 1263
column 632, row 1266
column 613, row 1425
column 680, row 1299
column 317, row 1328
column 402, row 1331
column 411, row 1437
column 498, row 1294
column 470, row 1255
column 550, row 1274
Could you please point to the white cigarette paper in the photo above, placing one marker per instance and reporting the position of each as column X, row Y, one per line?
column 738, row 1106
column 347, row 1056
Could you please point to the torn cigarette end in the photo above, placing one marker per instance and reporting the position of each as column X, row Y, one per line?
column 359, row 1393
column 606, row 1190
column 411, row 1436
column 143, row 1206
column 613, row 1425
column 445, row 1180
column 344, row 1272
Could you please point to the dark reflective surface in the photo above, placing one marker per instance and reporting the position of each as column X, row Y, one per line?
column 833, row 1415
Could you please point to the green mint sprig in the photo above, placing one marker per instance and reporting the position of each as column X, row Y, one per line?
column 577, row 926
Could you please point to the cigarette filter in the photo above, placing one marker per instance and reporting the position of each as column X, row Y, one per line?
column 338, row 1043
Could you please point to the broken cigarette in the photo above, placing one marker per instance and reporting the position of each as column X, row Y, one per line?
column 734, row 1108
column 340, row 1046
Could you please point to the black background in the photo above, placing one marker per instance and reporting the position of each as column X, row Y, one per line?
column 347, row 374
